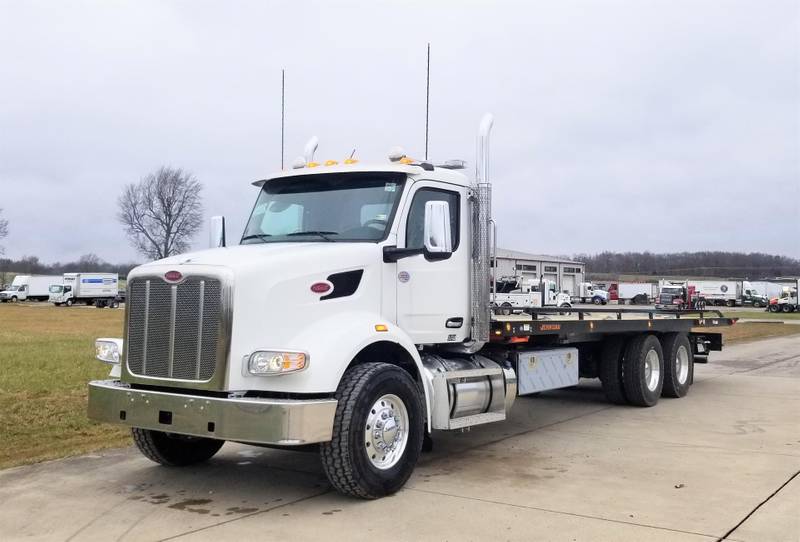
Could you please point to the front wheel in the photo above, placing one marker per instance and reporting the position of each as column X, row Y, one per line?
column 68, row 302
column 597, row 301
column 377, row 431
column 173, row 450
column 773, row 308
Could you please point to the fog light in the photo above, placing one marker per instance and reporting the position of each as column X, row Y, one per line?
column 108, row 350
column 267, row 362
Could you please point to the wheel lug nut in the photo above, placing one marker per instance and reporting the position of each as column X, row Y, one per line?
column 384, row 415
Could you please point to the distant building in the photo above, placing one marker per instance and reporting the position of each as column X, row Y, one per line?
column 567, row 274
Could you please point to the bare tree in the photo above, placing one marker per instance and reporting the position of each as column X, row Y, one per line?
column 162, row 212
column 3, row 231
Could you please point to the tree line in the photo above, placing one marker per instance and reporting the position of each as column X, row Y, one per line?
column 742, row 265
column 31, row 265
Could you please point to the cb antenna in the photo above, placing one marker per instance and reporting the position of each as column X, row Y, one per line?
column 427, row 99
column 283, row 109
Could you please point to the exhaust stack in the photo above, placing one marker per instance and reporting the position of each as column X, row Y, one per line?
column 481, row 240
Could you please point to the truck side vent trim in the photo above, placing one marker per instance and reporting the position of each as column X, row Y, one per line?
column 344, row 284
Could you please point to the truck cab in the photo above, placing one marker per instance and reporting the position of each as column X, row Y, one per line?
column 17, row 291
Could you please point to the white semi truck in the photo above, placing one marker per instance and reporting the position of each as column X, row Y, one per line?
column 589, row 293
column 514, row 294
column 29, row 287
column 99, row 289
column 355, row 314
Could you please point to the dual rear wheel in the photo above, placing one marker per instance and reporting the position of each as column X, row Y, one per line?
column 641, row 369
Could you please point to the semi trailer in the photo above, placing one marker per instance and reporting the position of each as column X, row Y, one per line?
column 634, row 293
column 29, row 287
column 355, row 316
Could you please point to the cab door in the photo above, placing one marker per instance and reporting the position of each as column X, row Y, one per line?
column 433, row 294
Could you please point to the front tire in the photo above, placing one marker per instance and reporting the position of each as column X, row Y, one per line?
column 377, row 431
column 643, row 370
column 173, row 450
column 678, row 365
column 68, row 302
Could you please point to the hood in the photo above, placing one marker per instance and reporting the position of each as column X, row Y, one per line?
column 273, row 255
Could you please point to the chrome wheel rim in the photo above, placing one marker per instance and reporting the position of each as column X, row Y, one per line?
column 652, row 370
column 682, row 364
column 386, row 432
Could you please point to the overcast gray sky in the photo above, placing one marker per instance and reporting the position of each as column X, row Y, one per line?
column 619, row 125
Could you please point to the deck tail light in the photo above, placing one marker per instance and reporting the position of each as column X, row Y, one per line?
column 268, row 362
column 108, row 350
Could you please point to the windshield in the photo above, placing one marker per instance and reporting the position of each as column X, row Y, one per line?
column 671, row 291
column 56, row 289
column 333, row 207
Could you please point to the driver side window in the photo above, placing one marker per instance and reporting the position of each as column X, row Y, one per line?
column 415, row 225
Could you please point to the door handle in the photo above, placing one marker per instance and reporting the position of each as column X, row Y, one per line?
column 454, row 323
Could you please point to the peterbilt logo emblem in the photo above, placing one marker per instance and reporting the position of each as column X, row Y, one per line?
column 173, row 276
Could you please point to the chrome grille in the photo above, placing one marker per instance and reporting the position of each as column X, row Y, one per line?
column 173, row 329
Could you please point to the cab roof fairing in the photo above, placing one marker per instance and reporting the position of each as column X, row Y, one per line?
column 416, row 172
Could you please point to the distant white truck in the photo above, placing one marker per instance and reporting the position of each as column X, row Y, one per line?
column 29, row 287
column 99, row 289
column 728, row 292
column 515, row 293
column 588, row 293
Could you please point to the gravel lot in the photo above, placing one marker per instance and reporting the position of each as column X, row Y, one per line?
column 723, row 461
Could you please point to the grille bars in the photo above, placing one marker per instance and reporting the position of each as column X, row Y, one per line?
column 173, row 302
column 146, row 324
column 200, row 330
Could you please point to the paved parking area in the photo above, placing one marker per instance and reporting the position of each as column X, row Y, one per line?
column 724, row 461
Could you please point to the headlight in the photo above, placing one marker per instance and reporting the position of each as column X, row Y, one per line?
column 268, row 362
column 108, row 350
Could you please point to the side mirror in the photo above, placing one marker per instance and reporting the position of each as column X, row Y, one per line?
column 437, row 228
column 217, row 232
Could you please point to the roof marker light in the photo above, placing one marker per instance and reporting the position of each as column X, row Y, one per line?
column 396, row 154
column 331, row 162
column 350, row 161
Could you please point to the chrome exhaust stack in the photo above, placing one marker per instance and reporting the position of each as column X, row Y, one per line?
column 481, row 237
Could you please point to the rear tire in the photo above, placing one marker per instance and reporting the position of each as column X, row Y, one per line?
column 505, row 308
column 357, row 464
column 678, row 365
column 610, row 370
column 643, row 370
column 786, row 308
column 173, row 450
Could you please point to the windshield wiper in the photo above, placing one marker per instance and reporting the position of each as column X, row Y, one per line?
column 323, row 234
column 262, row 236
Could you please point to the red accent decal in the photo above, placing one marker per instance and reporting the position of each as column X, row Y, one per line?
column 320, row 287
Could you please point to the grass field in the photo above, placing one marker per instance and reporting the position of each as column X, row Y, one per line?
column 46, row 359
column 762, row 315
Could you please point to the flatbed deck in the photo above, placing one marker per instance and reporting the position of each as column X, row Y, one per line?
column 572, row 325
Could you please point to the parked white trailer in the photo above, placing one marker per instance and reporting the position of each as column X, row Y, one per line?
column 355, row 314
column 728, row 292
column 29, row 287
column 87, row 288
column 636, row 293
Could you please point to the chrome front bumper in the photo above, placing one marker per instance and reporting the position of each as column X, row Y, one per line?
column 259, row 421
